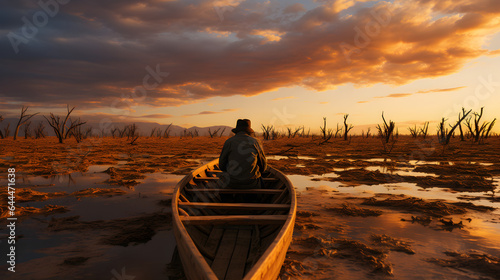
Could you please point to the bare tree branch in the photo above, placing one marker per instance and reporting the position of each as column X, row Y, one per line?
column 22, row 120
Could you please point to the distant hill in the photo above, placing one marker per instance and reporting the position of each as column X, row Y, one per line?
column 143, row 128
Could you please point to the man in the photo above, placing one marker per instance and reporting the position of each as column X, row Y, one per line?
column 242, row 158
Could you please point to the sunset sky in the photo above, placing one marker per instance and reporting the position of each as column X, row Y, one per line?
column 285, row 63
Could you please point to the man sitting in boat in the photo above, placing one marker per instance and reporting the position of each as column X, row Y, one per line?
column 242, row 158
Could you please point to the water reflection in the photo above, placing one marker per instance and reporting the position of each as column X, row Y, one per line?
column 42, row 248
column 39, row 248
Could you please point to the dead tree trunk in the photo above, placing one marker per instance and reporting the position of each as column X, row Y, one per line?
column 22, row 120
column 60, row 128
column 1, row 134
column 347, row 127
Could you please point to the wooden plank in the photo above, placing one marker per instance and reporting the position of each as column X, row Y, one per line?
column 214, row 239
column 183, row 198
column 183, row 212
column 199, row 240
column 268, row 230
column 223, row 256
column 251, row 191
column 234, row 206
column 234, row 220
column 254, row 253
column 236, row 267
column 280, row 197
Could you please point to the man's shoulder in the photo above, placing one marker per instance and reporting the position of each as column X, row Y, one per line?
column 238, row 138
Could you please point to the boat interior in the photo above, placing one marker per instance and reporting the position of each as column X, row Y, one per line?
column 232, row 227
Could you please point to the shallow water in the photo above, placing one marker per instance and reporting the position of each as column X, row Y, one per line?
column 277, row 157
column 40, row 252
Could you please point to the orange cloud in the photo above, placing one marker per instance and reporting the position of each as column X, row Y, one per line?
column 156, row 116
column 441, row 90
column 241, row 48
column 395, row 95
column 399, row 95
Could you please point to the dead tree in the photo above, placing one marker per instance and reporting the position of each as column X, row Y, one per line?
column 339, row 130
column 213, row 133
column 1, row 134
column 444, row 135
column 266, row 131
column 6, row 130
column 132, row 131
column 387, row 131
column 327, row 133
column 167, row 131
column 40, row 130
column 347, row 127
column 460, row 126
column 77, row 134
column 424, row 130
column 60, row 126
column 121, row 132
column 159, row 133
column 477, row 129
column 488, row 130
column 27, row 131
column 152, row 132
column 222, row 132
column 413, row 131
column 22, row 120
column 292, row 132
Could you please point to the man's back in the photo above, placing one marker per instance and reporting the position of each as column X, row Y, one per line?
column 243, row 158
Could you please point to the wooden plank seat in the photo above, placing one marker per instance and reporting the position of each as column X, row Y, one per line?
column 234, row 220
column 246, row 191
column 234, row 206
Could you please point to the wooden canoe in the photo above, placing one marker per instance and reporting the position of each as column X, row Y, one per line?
column 218, row 238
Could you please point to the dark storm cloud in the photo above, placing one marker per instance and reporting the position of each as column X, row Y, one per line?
column 95, row 53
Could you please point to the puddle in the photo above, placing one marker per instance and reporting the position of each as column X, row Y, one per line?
column 481, row 163
column 377, row 159
column 399, row 171
column 301, row 183
column 101, row 168
column 480, row 233
column 423, row 162
column 40, row 251
column 277, row 157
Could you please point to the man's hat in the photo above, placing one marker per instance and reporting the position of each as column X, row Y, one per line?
column 243, row 125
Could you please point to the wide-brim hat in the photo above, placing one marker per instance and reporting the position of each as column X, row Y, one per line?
column 243, row 125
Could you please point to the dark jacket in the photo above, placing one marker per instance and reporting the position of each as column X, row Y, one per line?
column 243, row 160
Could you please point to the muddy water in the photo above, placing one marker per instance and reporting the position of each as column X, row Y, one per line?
column 42, row 252
column 481, row 231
